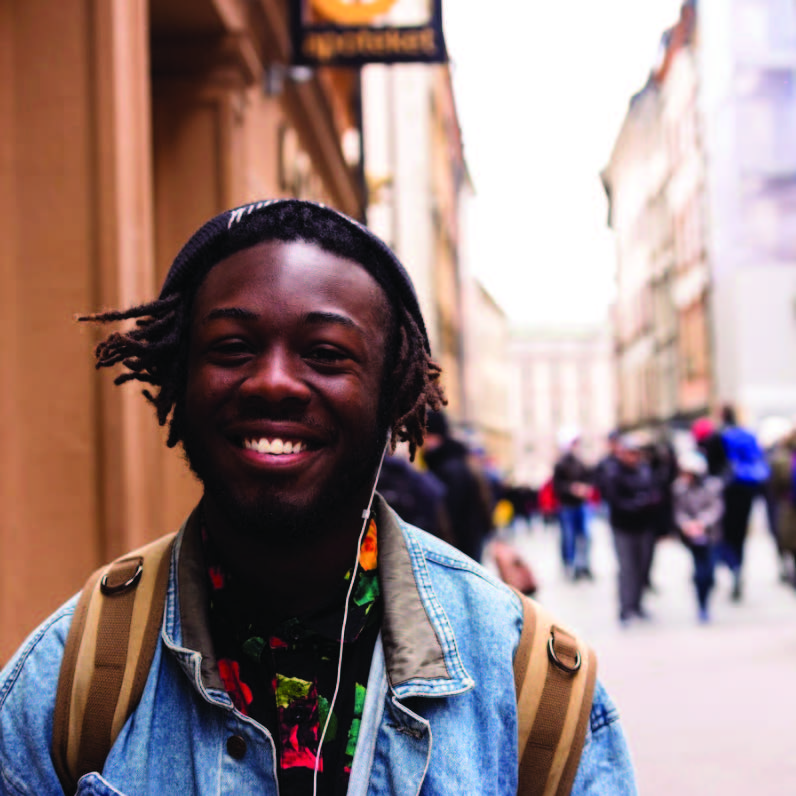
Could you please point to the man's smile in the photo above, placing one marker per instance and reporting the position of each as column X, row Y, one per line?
column 280, row 447
column 275, row 446
column 277, row 454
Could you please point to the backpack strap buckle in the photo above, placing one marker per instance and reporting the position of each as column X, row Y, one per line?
column 121, row 576
column 567, row 650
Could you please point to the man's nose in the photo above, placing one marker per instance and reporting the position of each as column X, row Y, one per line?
column 276, row 376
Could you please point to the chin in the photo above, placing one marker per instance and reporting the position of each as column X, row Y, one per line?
column 270, row 518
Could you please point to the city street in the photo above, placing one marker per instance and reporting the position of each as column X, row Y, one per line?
column 707, row 709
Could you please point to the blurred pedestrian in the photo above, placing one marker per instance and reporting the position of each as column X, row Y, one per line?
column 468, row 495
column 418, row 497
column 663, row 463
column 632, row 498
column 746, row 474
column 783, row 486
column 524, row 501
column 605, row 467
column 707, row 439
column 773, row 437
column 698, row 508
column 572, row 486
column 548, row 504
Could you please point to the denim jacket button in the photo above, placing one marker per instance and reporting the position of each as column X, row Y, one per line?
column 236, row 747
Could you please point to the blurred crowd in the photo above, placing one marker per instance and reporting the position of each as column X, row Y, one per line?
column 701, row 493
column 455, row 491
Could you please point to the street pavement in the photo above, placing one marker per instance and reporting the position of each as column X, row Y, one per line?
column 707, row 709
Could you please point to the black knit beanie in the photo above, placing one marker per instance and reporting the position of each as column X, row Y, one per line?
column 248, row 225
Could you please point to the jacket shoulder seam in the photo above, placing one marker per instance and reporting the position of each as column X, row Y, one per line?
column 474, row 569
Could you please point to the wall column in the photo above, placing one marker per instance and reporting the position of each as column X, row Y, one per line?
column 76, row 225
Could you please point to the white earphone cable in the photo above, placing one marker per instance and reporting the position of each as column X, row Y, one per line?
column 365, row 523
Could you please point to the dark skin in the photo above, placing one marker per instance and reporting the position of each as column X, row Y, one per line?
column 285, row 364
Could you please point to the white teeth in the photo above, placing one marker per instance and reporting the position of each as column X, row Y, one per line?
column 275, row 446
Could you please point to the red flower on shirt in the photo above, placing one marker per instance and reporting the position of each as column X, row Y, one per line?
column 239, row 692
column 216, row 577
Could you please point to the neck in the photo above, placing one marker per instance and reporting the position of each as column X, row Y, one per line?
column 286, row 577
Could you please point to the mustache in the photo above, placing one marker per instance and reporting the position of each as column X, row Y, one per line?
column 283, row 414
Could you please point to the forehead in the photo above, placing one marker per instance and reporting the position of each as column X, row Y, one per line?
column 277, row 275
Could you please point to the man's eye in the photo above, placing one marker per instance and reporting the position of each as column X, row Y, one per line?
column 328, row 355
column 229, row 349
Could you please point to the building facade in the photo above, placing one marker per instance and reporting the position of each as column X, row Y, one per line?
column 561, row 378
column 635, row 181
column 417, row 179
column 123, row 125
column 488, row 376
column 747, row 102
column 720, row 105
column 686, row 203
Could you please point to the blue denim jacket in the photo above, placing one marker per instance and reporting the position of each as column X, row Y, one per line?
column 439, row 717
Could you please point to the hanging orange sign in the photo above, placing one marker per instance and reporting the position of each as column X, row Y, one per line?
column 358, row 12
column 351, row 33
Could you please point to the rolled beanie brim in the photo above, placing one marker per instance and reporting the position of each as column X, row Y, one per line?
column 216, row 240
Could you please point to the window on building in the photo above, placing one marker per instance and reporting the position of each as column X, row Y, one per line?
column 764, row 24
column 766, row 121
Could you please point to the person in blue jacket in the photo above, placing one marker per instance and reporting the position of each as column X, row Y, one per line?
column 745, row 476
column 312, row 642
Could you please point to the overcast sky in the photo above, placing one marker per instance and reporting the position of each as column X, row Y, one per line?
column 541, row 90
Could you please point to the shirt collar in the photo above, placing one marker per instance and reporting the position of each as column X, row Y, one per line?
column 418, row 640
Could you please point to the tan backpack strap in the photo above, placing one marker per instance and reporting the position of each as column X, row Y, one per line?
column 63, row 695
column 107, row 657
column 555, row 674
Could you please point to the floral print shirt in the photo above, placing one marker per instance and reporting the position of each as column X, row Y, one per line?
column 283, row 674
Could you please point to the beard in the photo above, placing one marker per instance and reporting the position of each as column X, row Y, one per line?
column 268, row 514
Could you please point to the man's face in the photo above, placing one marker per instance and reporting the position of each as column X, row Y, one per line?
column 285, row 361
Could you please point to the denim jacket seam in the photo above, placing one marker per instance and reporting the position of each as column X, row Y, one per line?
column 463, row 566
column 421, row 557
column 436, row 611
column 602, row 718
column 455, row 563
column 476, row 571
column 67, row 612
column 16, row 786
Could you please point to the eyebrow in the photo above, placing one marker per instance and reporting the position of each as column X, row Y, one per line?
column 331, row 317
column 317, row 318
column 237, row 313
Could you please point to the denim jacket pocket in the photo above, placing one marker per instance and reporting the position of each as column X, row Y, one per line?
column 93, row 784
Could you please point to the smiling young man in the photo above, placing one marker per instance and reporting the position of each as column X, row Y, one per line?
column 311, row 641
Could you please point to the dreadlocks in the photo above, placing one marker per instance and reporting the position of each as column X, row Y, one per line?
column 155, row 349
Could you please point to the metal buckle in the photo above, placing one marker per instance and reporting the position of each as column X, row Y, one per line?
column 108, row 589
column 551, row 652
